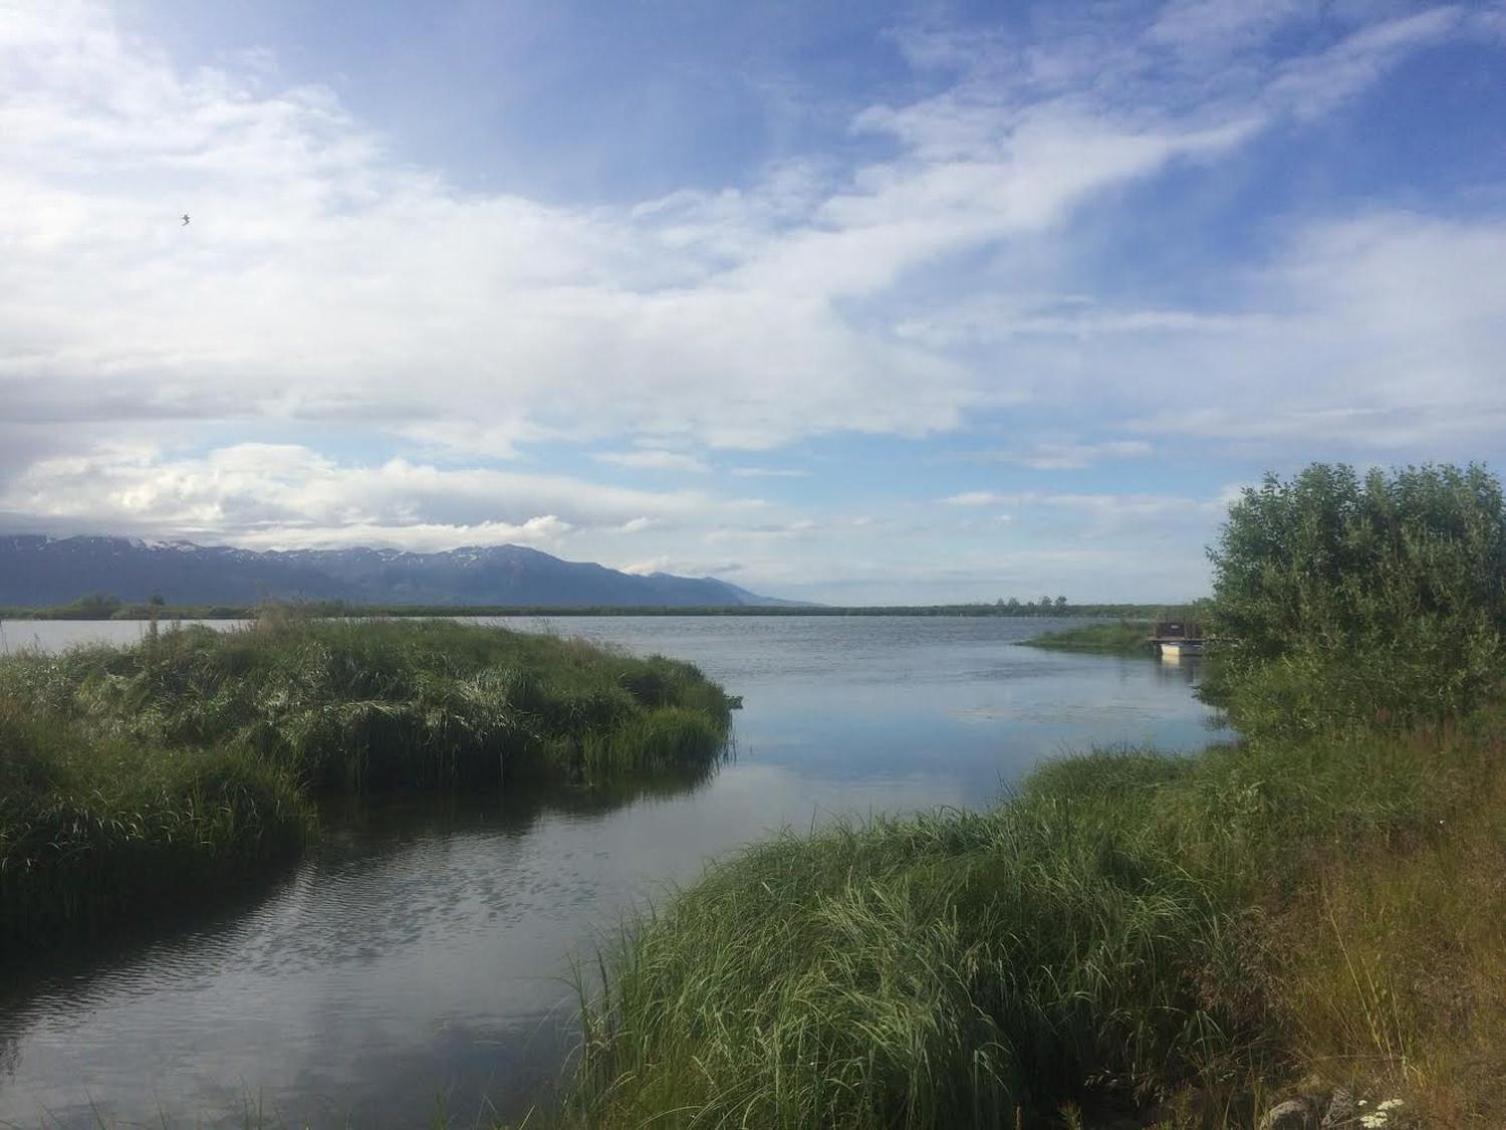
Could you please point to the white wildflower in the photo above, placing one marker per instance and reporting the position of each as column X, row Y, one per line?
column 1374, row 1121
column 1391, row 1104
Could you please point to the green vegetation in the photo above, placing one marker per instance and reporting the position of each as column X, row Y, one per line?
column 1180, row 940
column 94, row 827
column 1124, row 637
column 1358, row 602
column 130, row 770
column 1123, row 930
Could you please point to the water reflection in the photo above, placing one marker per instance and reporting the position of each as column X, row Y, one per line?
column 250, row 1000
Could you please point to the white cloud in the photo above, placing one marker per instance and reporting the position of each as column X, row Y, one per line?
column 326, row 282
column 422, row 537
column 323, row 279
column 1311, row 86
column 1103, row 512
column 275, row 495
column 975, row 498
column 638, row 525
column 1072, row 456
column 766, row 533
column 1004, row 319
column 1375, row 334
column 769, row 473
column 1382, row 333
column 683, row 566
column 650, row 459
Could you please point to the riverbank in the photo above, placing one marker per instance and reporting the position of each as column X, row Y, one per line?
column 194, row 756
column 1127, row 637
column 1183, row 939
column 1309, row 922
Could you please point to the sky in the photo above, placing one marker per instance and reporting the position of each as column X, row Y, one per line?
column 861, row 301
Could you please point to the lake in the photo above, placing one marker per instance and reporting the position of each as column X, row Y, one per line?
column 417, row 960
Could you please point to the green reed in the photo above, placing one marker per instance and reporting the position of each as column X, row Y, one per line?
column 349, row 705
column 1101, row 938
column 129, row 773
column 95, row 828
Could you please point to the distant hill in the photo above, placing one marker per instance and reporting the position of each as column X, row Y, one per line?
column 38, row 570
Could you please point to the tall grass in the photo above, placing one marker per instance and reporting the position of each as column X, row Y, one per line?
column 1117, row 932
column 1394, row 971
column 130, row 774
column 349, row 705
column 95, row 828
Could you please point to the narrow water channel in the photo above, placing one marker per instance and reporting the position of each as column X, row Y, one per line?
column 418, row 959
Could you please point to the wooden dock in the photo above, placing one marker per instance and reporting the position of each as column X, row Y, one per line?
column 1173, row 639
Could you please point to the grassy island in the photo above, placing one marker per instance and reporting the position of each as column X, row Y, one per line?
column 1315, row 915
column 130, row 774
column 1125, row 637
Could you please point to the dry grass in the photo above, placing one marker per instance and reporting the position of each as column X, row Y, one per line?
column 1394, row 966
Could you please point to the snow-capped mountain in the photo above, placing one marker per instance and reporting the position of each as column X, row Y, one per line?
column 39, row 570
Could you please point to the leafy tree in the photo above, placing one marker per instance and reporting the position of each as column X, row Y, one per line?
column 1061, row 604
column 1340, row 598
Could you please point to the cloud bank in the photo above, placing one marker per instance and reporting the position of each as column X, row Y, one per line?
column 174, row 379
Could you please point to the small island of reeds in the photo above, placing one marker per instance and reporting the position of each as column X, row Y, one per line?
column 133, row 776
column 1123, row 637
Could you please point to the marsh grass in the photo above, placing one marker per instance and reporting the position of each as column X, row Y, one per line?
column 94, row 828
column 347, row 705
column 129, row 773
column 1125, row 637
column 1129, row 932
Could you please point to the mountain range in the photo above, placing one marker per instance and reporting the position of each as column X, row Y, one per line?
column 41, row 570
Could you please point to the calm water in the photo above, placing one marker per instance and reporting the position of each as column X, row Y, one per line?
column 416, row 959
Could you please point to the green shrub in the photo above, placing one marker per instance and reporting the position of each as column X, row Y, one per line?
column 1341, row 601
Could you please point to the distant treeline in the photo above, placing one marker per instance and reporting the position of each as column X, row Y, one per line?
column 100, row 606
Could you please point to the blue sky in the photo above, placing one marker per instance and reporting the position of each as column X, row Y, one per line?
column 850, row 301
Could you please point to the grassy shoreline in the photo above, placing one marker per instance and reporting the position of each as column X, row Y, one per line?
column 1315, row 915
column 1174, row 938
column 192, row 757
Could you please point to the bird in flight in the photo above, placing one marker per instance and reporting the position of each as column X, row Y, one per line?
column 185, row 219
